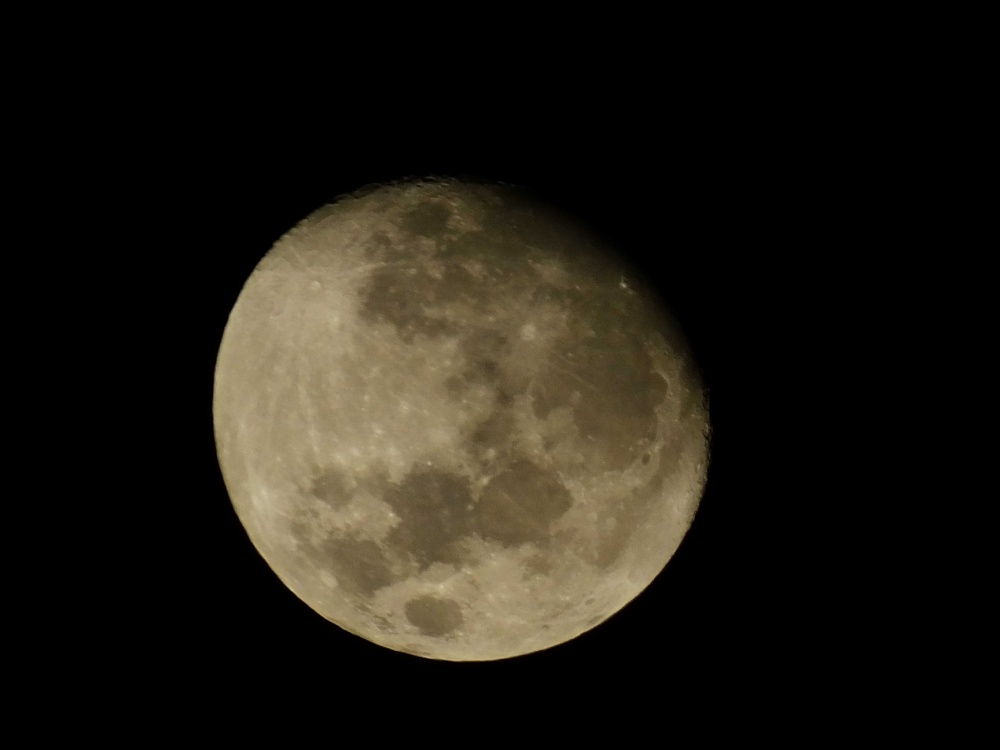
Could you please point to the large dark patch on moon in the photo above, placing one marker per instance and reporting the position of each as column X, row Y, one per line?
column 602, row 370
column 433, row 616
column 409, row 299
column 331, row 488
column 520, row 504
column 438, row 512
column 359, row 565
column 427, row 220
column 435, row 511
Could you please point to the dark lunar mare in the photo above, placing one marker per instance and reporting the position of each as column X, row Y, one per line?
column 600, row 368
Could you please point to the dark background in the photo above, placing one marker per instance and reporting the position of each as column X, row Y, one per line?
column 717, row 212
column 787, row 181
column 778, row 186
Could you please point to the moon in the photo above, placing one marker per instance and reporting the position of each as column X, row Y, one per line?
column 455, row 422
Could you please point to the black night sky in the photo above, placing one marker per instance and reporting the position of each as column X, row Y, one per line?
column 705, row 207
column 765, row 179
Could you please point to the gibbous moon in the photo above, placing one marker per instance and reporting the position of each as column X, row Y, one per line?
column 456, row 424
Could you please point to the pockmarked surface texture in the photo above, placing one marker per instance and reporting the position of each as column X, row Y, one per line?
column 455, row 424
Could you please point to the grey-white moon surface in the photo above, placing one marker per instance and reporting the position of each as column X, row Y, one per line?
column 455, row 423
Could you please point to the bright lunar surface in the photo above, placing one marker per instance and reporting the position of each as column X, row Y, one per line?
column 454, row 423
